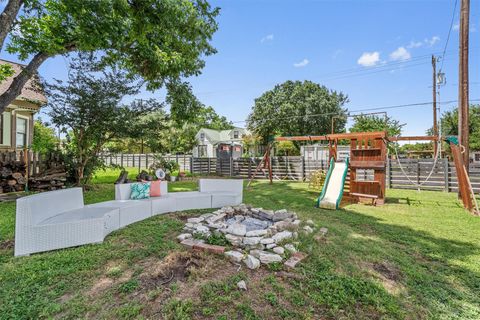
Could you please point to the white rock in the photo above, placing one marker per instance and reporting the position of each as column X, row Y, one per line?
column 234, row 256
column 255, row 253
column 266, row 257
column 267, row 241
column 279, row 250
column 184, row 236
column 242, row 285
column 234, row 240
column 281, row 215
column 256, row 233
column 310, row 222
column 271, row 245
column 282, row 236
column 251, row 262
column 202, row 229
column 195, row 220
column 251, row 241
column 290, row 247
column 237, row 229
column 308, row 229
column 297, row 222
column 323, row 231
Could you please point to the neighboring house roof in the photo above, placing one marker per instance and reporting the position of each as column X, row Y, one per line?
column 30, row 91
column 216, row 136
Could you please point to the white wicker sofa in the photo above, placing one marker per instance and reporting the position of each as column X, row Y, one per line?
column 59, row 219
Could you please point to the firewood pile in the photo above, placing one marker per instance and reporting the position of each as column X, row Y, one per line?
column 12, row 176
column 50, row 179
column 49, row 173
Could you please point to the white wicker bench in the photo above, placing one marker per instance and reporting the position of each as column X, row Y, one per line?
column 59, row 219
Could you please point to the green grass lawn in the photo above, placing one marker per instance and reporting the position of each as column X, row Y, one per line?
column 416, row 257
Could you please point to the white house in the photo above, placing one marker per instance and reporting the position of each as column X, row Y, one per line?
column 212, row 143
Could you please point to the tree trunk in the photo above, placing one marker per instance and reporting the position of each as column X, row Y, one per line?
column 7, row 17
column 19, row 81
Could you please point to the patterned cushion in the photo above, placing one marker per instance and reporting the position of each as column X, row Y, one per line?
column 140, row 190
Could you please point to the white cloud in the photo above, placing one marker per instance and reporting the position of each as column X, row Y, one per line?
column 369, row 59
column 414, row 44
column 432, row 41
column 267, row 38
column 401, row 54
column 301, row 64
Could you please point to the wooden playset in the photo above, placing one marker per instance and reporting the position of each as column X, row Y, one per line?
column 364, row 175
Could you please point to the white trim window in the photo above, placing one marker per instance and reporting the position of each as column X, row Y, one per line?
column 21, row 132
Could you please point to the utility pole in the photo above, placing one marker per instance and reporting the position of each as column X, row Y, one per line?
column 434, row 87
column 463, row 102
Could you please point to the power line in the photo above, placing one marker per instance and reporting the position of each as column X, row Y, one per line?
column 356, row 110
column 449, row 32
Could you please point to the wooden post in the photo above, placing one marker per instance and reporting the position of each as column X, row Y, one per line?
column 434, row 104
column 249, row 168
column 418, row 171
column 389, row 174
column 463, row 107
column 303, row 174
column 121, row 160
column 146, row 160
column 446, row 175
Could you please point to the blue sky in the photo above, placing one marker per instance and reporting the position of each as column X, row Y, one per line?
column 377, row 52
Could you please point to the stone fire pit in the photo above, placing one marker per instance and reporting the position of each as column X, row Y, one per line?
column 258, row 236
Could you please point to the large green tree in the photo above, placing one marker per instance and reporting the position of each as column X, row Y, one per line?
column 449, row 125
column 161, row 41
column 88, row 107
column 369, row 123
column 297, row 108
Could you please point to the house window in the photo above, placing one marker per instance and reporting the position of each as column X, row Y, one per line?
column 202, row 151
column 477, row 157
column 21, row 136
column 238, row 149
column 235, row 134
column 225, row 148
column 202, row 136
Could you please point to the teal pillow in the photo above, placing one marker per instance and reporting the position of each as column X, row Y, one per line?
column 140, row 190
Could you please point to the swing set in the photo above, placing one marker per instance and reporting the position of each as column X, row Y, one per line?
column 368, row 153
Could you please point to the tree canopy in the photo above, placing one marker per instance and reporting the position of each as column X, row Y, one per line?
column 160, row 41
column 449, row 125
column 44, row 138
column 89, row 109
column 297, row 108
column 369, row 123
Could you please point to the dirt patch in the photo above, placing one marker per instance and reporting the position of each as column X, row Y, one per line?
column 177, row 266
column 388, row 274
column 7, row 244
column 388, row 270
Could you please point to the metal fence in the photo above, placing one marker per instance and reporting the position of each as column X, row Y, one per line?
column 298, row 168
